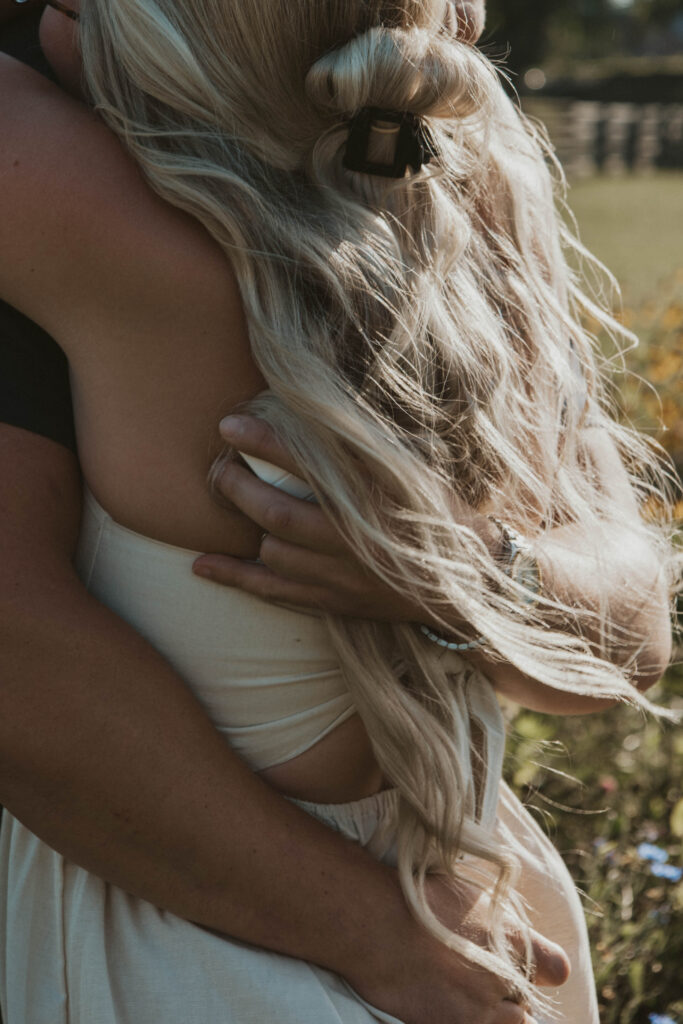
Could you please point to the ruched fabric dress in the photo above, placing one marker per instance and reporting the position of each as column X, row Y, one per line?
column 76, row 950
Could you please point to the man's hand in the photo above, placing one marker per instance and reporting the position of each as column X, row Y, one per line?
column 303, row 559
column 435, row 979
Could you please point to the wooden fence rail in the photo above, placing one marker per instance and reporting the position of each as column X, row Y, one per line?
column 612, row 138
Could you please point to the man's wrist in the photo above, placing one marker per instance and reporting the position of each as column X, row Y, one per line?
column 387, row 945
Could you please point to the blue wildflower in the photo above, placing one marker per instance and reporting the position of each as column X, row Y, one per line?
column 667, row 871
column 660, row 1018
column 656, row 854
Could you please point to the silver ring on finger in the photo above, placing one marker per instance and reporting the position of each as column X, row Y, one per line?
column 260, row 544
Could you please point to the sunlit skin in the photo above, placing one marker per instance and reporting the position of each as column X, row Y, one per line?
column 59, row 38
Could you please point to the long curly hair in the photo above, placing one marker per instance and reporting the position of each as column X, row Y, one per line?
column 418, row 336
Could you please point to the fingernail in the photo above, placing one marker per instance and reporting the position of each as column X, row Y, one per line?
column 203, row 570
column 232, row 426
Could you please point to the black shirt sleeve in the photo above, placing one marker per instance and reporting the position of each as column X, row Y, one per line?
column 19, row 38
column 34, row 378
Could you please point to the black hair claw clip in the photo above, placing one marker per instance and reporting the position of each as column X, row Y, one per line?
column 414, row 143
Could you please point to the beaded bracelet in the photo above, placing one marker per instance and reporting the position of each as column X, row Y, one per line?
column 451, row 645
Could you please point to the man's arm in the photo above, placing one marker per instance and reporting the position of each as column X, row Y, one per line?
column 106, row 755
column 104, row 752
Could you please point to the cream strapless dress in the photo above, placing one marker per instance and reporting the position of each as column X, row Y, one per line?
column 76, row 950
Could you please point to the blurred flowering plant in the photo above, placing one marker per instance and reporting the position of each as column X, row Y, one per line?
column 651, row 391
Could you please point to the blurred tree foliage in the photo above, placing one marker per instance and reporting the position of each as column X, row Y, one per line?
column 528, row 28
column 656, row 12
column 532, row 31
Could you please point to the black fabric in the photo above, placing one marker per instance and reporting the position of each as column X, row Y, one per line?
column 34, row 379
column 20, row 39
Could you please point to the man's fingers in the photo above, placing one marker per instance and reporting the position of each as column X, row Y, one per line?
column 259, row 580
column 305, row 566
column 511, row 1013
column 256, row 437
column 552, row 963
column 292, row 519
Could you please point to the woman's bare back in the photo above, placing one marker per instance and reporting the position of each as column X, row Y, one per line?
column 147, row 309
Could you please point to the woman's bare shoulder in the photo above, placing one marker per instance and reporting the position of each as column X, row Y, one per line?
column 78, row 222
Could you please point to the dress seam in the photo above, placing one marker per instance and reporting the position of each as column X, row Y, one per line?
column 65, row 973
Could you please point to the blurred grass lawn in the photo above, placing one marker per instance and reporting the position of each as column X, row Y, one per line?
column 634, row 224
column 605, row 784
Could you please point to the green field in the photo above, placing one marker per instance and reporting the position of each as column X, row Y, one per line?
column 634, row 224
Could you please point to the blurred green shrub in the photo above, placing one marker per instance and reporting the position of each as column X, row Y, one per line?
column 651, row 391
column 604, row 785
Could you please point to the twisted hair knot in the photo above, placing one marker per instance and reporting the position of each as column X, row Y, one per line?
column 413, row 70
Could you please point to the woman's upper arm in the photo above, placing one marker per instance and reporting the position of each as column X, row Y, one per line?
column 77, row 220
column 608, row 470
column 48, row 145
column 645, row 605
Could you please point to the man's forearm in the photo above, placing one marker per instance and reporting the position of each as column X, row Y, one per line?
column 107, row 756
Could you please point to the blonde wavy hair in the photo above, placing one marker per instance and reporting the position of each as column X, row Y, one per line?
column 418, row 336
